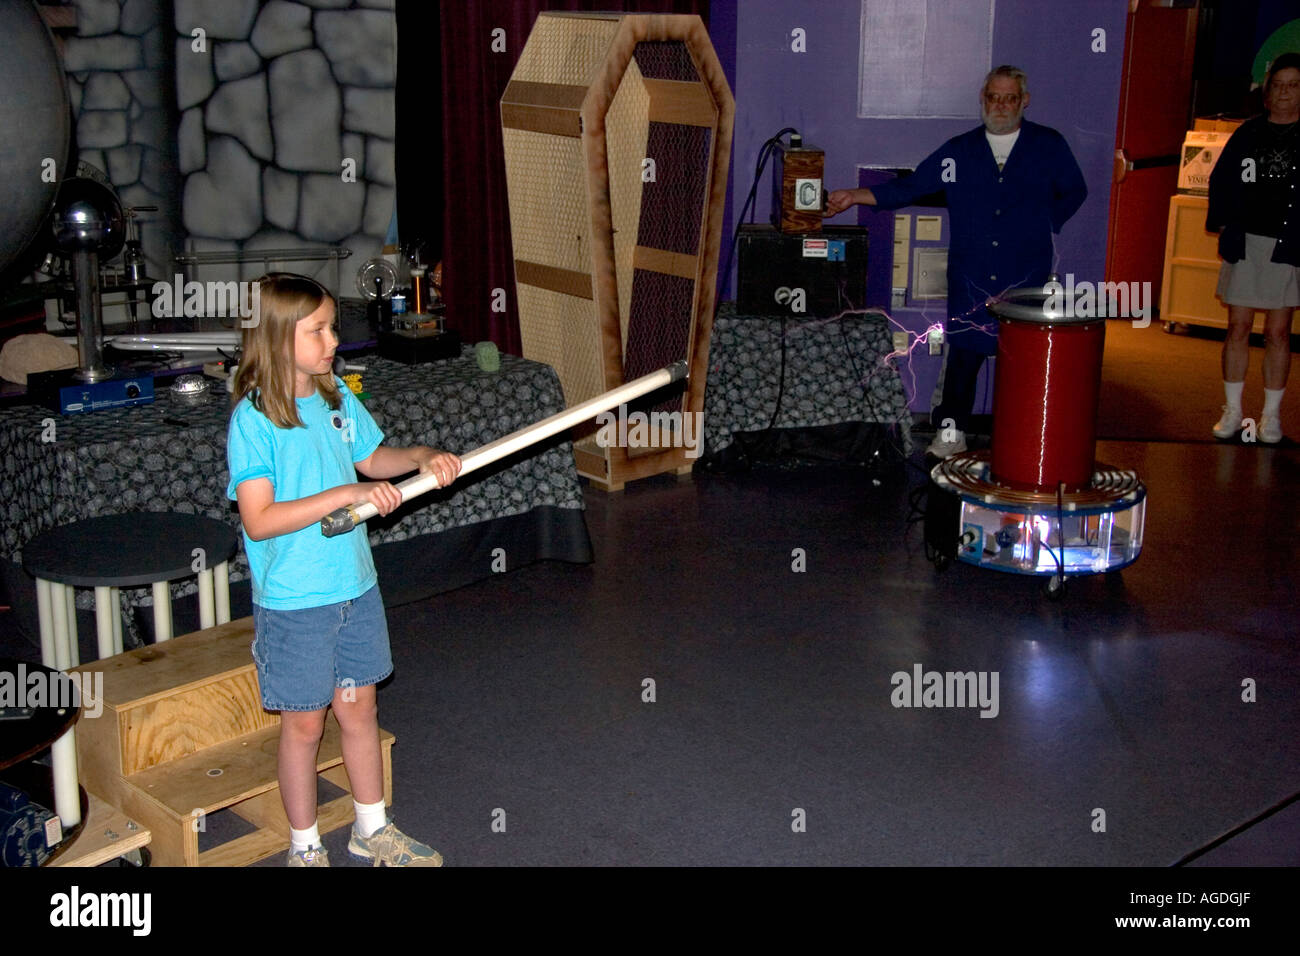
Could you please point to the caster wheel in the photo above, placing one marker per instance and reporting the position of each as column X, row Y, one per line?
column 942, row 562
column 1168, row 327
column 1054, row 587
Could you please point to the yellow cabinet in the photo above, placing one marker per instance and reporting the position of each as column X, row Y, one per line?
column 1192, row 268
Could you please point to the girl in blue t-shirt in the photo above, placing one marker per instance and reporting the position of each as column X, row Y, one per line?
column 297, row 439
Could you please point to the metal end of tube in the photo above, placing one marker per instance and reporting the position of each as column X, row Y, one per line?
column 679, row 370
column 338, row 522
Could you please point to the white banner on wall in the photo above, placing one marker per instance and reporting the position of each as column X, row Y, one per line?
column 923, row 59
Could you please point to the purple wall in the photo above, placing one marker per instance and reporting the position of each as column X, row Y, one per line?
column 1073, row 90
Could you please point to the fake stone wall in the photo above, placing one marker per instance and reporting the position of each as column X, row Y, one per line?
column 251, row 124
column 286, row 127
column 118, row 65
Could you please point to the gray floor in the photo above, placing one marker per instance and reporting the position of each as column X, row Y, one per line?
column 520, row 698
column 523, row 694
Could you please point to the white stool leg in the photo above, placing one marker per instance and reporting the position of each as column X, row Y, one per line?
column 116, row 596
column 74, row 643
column 45, row 614
column 221, row 582
column 104, row 611
column 162, row 612
column 207, row 600
column 67, row 796
column 59, row 620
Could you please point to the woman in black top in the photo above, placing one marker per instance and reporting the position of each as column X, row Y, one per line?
column 1255, row 206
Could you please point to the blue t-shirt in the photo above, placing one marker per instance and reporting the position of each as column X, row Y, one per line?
column 304, row 568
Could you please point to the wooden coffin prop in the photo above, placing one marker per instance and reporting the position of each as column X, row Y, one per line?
column 617, row 132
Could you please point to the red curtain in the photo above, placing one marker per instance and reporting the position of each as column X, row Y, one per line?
column 476, row 249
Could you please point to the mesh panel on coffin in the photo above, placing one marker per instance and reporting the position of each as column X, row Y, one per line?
column 672, row 204
column 659, row 324
column 659, row 328
column 665, row 60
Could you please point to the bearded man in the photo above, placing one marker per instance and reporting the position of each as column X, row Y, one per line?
column 1009, row 185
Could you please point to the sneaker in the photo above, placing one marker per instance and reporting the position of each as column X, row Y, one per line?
column 943, row 449
column 1228, row 424
column 1270, row 429
column 391, row 847
column 316, row 856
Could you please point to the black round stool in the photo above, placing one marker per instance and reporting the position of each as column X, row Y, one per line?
column 126, row 550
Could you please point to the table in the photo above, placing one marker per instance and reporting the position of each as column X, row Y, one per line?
column 169, row 456
column 110, row 552
column 836, row 371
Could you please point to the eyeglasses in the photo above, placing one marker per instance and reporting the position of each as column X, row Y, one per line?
column 1002, row 99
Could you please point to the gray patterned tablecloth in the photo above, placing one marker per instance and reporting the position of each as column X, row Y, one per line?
column 837, row 370
column 55, row 469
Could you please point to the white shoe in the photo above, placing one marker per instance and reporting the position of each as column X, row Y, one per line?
column 1229, row 423
column 1270, row 429
column 943, row 449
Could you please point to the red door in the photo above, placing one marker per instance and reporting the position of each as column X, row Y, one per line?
column 1154, row 107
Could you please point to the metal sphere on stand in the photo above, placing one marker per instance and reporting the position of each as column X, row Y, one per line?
column 88, row 223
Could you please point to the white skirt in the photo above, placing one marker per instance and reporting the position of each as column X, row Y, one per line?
column 1256, row 282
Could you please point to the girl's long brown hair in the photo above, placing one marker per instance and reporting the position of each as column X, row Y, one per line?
column 266, row 367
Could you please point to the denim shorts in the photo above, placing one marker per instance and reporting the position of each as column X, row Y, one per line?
column 303, row 655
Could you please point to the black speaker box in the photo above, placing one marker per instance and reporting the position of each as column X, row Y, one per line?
column 412, row 346
column 830, row 267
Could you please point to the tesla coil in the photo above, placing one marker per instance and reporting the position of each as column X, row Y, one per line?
column 617, row 130
column 1039, row 503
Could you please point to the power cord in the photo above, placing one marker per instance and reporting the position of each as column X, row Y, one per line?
column 764, row 154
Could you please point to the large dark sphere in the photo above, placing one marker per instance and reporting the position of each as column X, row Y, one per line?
column 35, row 126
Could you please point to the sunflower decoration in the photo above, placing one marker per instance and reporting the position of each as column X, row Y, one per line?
column 353, row 381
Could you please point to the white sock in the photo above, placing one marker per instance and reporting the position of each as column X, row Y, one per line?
column 1232, row 391
column 1273, row 401
column 370, row 817
column 302, row 840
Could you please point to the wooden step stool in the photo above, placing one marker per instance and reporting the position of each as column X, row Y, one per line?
column 183, row 734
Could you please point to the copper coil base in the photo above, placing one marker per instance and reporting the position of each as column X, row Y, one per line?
column 967, row 475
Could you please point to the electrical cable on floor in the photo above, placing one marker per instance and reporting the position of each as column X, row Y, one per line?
column 916, row 512
column 1237, row 830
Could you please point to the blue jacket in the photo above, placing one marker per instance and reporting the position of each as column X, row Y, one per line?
column 1001, row 222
